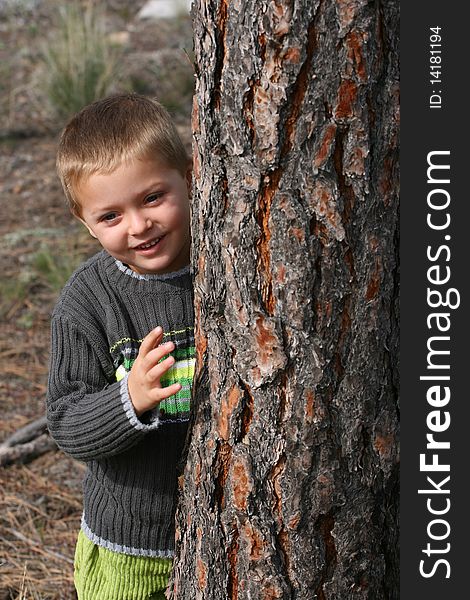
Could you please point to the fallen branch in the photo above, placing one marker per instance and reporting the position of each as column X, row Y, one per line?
column 26, row 444
column 27, row 433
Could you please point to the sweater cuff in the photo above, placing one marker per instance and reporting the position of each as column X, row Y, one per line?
column 152, row 419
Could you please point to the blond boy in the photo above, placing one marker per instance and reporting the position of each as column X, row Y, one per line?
column 116, row 398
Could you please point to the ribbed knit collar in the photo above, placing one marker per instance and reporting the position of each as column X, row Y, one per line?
column 149, row 276
column 125, row 278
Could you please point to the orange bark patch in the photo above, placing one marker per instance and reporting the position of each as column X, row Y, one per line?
column 386, row 179
column 272, row 592
column 347, row 95
column 241, row 485
column 269, row 188
column 356, row 162
column 240, row 309
column 201, row 572
column 196, row 164
column 294, row 521
column 201, row 263
column 197, row 474
column 276, row 472
column 354, row 42
column 292, row 55
column 285, row 547
column 261, row 96
column 281, row 274
column 264, row 336
column 228, row 404
column 298, row 233
column 251, row 183
column 325, row 146
column 323, row 202
column 383, row 444
column 223, row 459
column 373, row 243
column 201, row 340
column 282, row 28
column 309, row 405
column 255, row 541
column 325, row 489
column 195, row 116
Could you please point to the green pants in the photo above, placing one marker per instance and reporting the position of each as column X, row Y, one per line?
column 101, row 574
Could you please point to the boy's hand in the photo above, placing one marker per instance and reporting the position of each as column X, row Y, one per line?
column 144, row 385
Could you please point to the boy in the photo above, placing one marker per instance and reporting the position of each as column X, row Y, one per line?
column 114, row 400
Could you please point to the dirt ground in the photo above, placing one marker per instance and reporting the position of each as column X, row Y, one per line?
column 40, row 502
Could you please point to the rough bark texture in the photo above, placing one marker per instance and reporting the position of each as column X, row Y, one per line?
column 291, row 482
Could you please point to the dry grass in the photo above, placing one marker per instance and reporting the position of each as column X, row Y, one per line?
column 40, row 511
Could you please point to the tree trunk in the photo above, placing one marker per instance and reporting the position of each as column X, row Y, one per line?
column 291, row 482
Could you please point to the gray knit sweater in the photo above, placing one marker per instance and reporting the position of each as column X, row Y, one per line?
column 100, row 319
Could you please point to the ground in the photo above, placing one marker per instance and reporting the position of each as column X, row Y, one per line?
column 40, row 246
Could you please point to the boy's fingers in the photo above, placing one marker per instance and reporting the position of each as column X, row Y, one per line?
column 156, row 354
column 150, row 341
column 166, row 392
column 158, row 370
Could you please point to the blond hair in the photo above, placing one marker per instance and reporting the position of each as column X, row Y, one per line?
column 113, row 131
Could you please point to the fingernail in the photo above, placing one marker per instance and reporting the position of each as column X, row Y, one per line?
column 158, row 329
column 169, row 345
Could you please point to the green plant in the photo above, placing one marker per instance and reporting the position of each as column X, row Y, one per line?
column 81, row 64
column 14, row 291
column 53, row 268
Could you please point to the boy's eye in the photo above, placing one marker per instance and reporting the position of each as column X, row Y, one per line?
column 109, row 217
column 153, row 197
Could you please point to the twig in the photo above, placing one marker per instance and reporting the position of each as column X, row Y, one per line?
column 23, row 453
column 26, row 434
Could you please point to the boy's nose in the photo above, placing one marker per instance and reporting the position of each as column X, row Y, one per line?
column 139, row 223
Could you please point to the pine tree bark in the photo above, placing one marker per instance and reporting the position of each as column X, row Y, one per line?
column 291, row 482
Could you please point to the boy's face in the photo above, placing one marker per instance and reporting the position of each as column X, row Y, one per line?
column 140, row 214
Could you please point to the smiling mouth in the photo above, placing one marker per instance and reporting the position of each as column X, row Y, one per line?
column 148, row 245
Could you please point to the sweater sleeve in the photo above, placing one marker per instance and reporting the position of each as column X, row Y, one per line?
column 88, row 416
